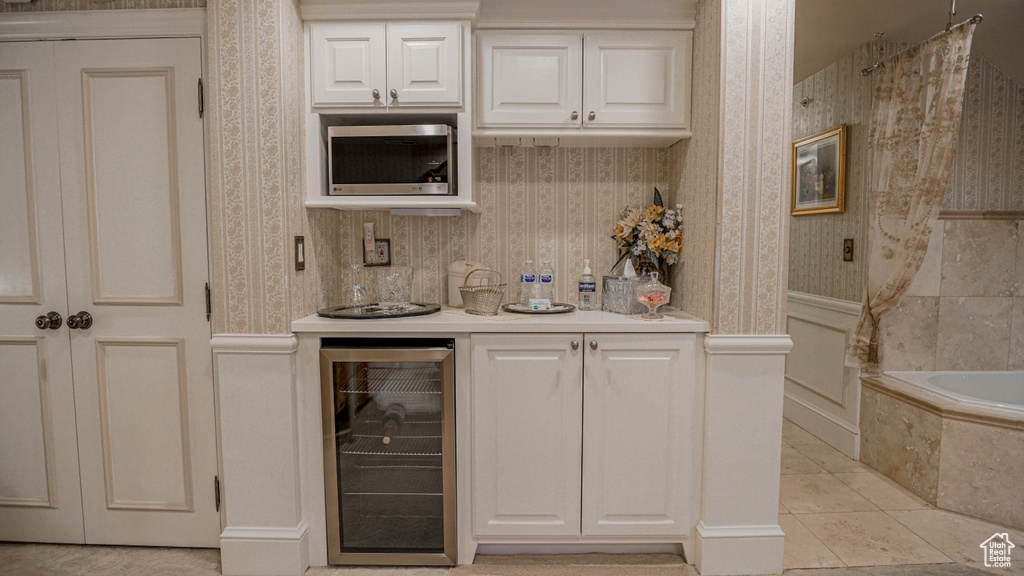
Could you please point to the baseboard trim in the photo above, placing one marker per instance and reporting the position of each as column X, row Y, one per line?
column 825, row 426
column 737, row 550
column 747, row 344
column 265, row 551
column 254, row 343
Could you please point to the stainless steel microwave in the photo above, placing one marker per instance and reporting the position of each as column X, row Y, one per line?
column 391, row 160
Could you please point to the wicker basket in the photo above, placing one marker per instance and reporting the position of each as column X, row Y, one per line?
column 485, row 299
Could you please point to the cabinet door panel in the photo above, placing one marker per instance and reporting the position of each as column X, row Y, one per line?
column 347, row 64
column 637, row 79
column 527, row 432
column 425, row 64
column 530, row 79
column 637, row 429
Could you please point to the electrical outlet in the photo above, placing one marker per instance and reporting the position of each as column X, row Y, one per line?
column 848, row 250
column 381, row 255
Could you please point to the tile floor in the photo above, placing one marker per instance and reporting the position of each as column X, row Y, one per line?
column 840, row 518
column 837, row 512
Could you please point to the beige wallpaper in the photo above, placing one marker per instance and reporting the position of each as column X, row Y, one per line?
column 61, row 5
column 838, row 94
column 254, row 165
column 694, row 165
column 560, row 205
column 755, row 113
column 988, row 171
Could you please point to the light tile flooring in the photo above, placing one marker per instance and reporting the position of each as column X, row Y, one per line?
column 838, row 512
column 840, row 518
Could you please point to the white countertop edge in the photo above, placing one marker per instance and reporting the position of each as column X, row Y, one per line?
column 444, row 322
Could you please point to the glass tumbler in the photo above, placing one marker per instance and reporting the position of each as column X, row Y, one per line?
column 394, row 287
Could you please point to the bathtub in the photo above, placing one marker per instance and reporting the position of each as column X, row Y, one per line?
column 956, row 439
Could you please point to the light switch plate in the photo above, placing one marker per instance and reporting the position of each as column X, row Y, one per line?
column 300, row 252
column 848, row 250
column 381, row 255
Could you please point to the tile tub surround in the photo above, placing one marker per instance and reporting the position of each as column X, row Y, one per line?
column 901, row 441
column 965, row 308
column 960, row 458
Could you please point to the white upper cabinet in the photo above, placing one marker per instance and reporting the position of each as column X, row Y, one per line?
column 531, row 79
column 424, row 64
column 386, row 65
column 637, row 79
column 348, row 64
column 616, row 79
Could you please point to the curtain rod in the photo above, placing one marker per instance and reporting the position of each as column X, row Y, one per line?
column 880, row 63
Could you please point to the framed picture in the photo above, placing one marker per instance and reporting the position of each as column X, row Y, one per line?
column 819, row 172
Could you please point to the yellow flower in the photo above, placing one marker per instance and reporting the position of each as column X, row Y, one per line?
column 653, row 212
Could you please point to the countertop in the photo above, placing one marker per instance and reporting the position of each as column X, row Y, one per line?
column 450, row 321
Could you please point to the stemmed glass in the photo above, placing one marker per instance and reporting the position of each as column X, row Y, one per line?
column 357, row 297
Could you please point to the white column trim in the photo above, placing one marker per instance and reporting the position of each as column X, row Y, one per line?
column 265, row 533
column 712, row 532
column 255, row 343
column 717, row 344
column 98, row 24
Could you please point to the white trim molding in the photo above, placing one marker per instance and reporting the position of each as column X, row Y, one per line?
column 99, row 24
column 822, row 394
column 383, row 11
column 739, row 532
column 258, row 407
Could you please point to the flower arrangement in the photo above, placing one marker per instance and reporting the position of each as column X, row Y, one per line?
column 650, row 237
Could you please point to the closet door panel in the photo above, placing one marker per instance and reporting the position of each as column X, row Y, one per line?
column 40, row 498
column 134, row 192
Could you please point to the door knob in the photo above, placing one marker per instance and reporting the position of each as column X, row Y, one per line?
column 591, row 116
column 593, row 343
column 376, row 94
column 575, row 344
column 82, row 320
column 51, row 320
column 574, row 116
column 394, row 94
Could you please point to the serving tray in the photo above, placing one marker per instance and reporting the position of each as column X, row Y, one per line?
column 556, row 308
column 374, row 311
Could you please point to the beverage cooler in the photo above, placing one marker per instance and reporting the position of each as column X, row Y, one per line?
column 389, row 450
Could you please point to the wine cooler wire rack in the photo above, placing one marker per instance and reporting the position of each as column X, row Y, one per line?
column 404, row 380
column 398, row 481
column 399, row 446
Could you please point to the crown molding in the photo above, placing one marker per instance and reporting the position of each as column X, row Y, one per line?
column 97, row 24
column 312, row 10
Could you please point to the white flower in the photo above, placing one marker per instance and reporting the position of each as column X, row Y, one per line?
column 638, row 248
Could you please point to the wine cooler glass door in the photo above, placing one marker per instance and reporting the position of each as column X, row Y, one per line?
column 389, row 455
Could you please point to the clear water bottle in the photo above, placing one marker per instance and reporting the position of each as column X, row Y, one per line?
column 526, row 281
column 547, row 280
column 587, row 288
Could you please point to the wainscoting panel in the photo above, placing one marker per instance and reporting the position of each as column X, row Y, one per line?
column 822, row 395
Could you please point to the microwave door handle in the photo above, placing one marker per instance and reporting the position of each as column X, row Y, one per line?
column 453, row 162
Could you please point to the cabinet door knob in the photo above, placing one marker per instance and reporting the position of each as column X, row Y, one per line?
column 51, row 320
column 575, row 344
column 394, row 94
column 376, row 94
column 574, row 116
column 592, row 115
column 593, row 344
column 82, row 320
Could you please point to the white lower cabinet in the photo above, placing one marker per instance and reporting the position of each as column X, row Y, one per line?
column 583, row 435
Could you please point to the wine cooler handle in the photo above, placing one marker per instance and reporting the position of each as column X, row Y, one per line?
column 575, row 344
column 593, row 344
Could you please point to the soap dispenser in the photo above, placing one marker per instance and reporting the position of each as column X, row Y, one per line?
column 587, row 288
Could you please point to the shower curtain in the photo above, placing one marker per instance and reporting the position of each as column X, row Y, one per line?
column 915, row 119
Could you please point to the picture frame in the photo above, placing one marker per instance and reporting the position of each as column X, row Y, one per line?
column 819, row 173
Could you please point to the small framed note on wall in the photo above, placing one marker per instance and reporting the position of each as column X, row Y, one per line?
column 819, row 172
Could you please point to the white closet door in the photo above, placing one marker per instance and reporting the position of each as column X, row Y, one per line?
column 40, row 498
column 135, row 237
